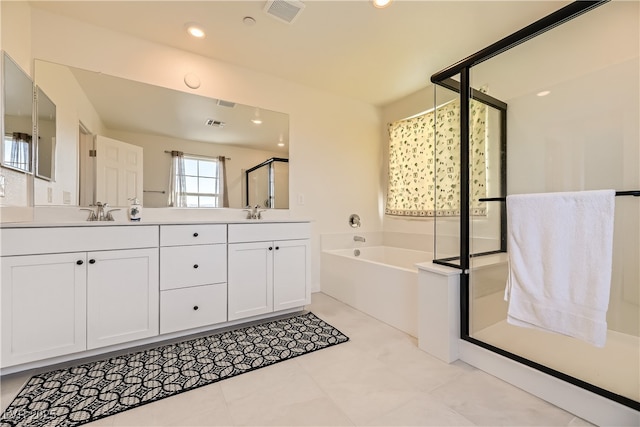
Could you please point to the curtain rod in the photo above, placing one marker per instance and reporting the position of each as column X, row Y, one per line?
column 195, row 155
column 635, row 193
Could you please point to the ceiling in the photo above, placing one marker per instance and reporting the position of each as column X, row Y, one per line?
column 348, row 48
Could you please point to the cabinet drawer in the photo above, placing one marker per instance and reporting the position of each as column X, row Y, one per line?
column 183, row 266
column 192, row 234
column 239, row 233
column 29, row 241
column 193, row 307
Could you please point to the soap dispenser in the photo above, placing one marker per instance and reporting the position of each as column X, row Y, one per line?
column 135, row 210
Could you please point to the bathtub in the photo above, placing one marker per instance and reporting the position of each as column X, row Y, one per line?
column 381, row 281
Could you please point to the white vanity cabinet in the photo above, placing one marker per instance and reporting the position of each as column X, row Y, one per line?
column 268, row 268
column 43, row 306
column 193, row 276
column 69, row 289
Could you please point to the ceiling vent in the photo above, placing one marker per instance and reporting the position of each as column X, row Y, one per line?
column 223, row 103
column 284, row 10
column 215, row 123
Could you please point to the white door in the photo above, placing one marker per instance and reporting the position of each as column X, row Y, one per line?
column 250, row 286
column 43, row 306
column 291, row 275
column 122, row 296
column 118, row 171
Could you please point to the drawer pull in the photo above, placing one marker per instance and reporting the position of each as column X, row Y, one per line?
column 92, row 261
column 270, row 248
column 195, row 265
column 79, row 262
column 195, row 234
column 195, row 307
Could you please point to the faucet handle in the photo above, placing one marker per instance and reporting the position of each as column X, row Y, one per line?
column 92, row 214
column 109, row 217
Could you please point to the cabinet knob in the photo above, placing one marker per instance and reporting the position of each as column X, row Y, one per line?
column 195, row 234
column 92, row 261
column 195, row 307
column 270, row 248
column 277, row 247
column 195, row 265
column 79, row 262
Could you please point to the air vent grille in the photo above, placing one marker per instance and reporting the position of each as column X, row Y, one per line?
column 215, row 123
column 223, row 103
column 284, row 10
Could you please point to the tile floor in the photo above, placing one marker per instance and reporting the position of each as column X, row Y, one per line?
column 378, row 378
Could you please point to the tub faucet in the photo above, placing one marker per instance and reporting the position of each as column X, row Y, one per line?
column 359, row 239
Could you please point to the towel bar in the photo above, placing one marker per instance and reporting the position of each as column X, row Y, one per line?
column 635, row 193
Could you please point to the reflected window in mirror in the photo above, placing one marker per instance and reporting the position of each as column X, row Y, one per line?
column 17, row 151
column 17, row 94
column 198, row 182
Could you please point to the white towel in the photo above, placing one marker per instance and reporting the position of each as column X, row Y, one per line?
column 560, row 248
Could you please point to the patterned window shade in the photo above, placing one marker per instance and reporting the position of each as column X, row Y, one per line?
column 424, row 162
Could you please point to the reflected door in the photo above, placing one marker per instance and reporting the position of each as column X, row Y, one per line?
column 118, row 171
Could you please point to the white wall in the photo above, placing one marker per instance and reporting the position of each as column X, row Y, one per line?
column 334, row 141
column 15, row 39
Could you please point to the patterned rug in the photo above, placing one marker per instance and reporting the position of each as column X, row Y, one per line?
column 85, row 393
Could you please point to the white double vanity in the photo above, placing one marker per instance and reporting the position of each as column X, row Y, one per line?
column 86, row 289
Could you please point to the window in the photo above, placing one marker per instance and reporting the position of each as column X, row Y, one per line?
column 202, row 182
column 424, row 162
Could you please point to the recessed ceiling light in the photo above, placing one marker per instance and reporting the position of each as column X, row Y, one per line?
column 256, row 117
column 380, row 4
column 543, row 93
column 280, row 144
column 195, row 30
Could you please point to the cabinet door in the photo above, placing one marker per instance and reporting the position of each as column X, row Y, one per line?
column 291, row 275
column 250, row 286
column 43, row 306
column 122, row 296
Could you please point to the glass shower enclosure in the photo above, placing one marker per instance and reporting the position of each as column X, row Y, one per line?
column 560, row 112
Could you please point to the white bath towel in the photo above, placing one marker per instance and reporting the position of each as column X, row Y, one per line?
column 560, row 255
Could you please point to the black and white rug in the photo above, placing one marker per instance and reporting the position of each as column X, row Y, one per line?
column 85, row 393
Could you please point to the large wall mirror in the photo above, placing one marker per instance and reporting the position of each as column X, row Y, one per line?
column 109, row 126
column 17, row 141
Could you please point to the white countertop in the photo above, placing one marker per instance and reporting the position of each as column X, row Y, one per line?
column 34, row 224
column 69, row 216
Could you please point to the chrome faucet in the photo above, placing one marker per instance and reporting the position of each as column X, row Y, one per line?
column 254, row 212
column 100, row 210
column 359, row 239
column 99, row 214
